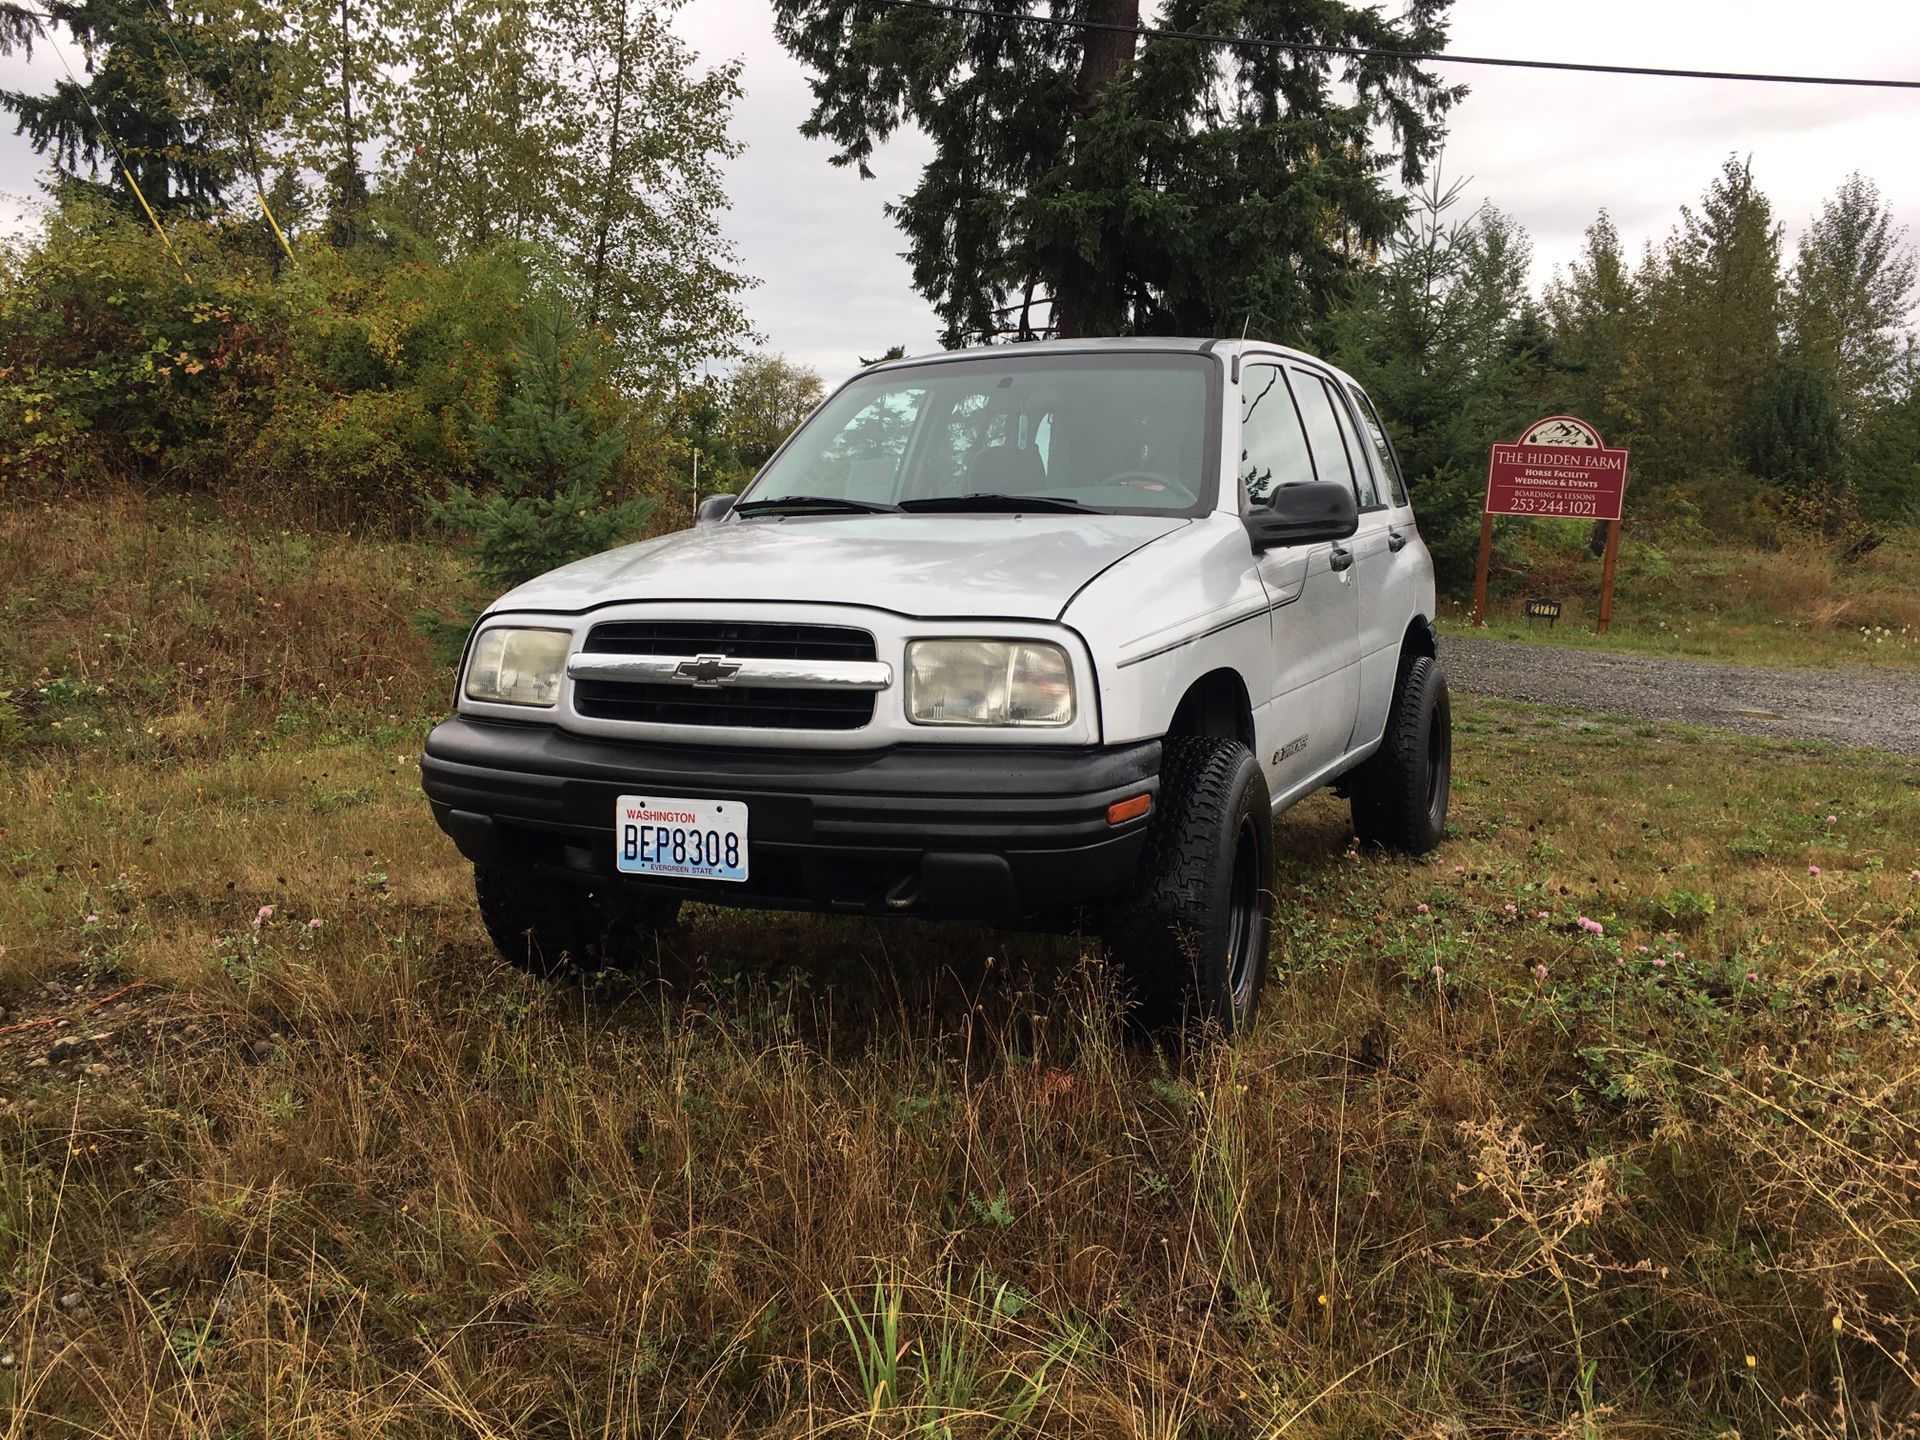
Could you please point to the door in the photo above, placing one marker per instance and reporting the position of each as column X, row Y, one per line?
column 1338, row 455
column 1315, row 616
column 1396, row 585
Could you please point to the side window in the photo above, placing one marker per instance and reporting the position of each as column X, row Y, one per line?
column 1364, row 488
column 1389, row 462
column 1330, row 456
column 1273, row 449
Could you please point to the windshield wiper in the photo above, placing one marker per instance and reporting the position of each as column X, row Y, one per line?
column 1011, row 504
column 814, row 505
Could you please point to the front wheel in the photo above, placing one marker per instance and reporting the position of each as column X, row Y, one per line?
column 551, row 928
column 1192, row 940
column 1400, row 794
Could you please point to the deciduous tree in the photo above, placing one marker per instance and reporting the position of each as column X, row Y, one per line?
column 1850, row 297
column 766, row 398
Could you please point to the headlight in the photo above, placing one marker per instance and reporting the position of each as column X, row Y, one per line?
column 988, row 682
column 517, row 667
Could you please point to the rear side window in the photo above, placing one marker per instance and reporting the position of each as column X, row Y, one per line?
column 1365, row 491
column 1330, row 456
column 1273, row 448
column 1389, row 462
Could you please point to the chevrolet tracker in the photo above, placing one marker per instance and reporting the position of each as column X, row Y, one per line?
column 1041, row 635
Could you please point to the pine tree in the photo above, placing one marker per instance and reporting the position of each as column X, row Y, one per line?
column 1089, row 184
column 1446, row 339
column 1794, row 435
column 132, row 111
column 550, row 459
column 20, row 26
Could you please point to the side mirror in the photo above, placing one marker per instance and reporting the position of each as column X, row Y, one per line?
column 714, row 509
column 1304, row 515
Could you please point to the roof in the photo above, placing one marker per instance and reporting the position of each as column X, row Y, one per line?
column 1111, row 344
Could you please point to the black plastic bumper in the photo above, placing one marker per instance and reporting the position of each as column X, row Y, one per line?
column 990, row 832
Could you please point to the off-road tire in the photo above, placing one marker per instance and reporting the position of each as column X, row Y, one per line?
column 1191, row 941
column 1400, row 795
column 553, row 929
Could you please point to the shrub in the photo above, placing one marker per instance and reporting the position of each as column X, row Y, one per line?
column 551, row 459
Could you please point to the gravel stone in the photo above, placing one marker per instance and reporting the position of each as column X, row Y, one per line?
column 1877, row 710
column 68, row 1047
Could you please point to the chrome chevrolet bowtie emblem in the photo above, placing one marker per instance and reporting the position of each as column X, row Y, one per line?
column 706, row 672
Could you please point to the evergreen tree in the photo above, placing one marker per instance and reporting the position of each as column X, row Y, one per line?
column 1445, row 338
column 1793, row 437
column 1594, row 312
column 20, row 26
column 1086, row 183
column 1849, row 298
column 1883, row 463
column 1708, row 346
column 551, row 460
column 132, row 110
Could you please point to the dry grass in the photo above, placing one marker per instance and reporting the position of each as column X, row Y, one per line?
column 1797, row 606
column 1478, row 1172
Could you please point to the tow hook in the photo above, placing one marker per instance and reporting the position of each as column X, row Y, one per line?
column 905, row 894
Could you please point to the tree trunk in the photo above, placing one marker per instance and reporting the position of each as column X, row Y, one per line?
column 1104, row 55
column 603, row 230
column 350, row 153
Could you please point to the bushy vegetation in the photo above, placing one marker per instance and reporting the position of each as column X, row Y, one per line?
column 380, row 240
column 1764, row 406
column 1599, row 1122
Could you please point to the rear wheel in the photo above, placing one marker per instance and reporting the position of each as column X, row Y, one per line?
column 1400, row 795
column 1192, row 940
column 552, row 928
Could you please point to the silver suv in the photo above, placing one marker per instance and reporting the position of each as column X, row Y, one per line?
column 1042, row 635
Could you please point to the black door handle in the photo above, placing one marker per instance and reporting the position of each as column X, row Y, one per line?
column 1396, row 541
column 1340, row 559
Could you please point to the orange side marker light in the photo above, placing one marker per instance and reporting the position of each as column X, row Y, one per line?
column 1131, row 808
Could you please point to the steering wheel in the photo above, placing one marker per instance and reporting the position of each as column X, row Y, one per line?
column 1148, row 480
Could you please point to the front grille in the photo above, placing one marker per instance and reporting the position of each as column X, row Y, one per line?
column 747, row 707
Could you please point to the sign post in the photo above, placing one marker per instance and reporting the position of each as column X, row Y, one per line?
column 1558, row 467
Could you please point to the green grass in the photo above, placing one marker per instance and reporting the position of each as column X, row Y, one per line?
column 1481, row 1169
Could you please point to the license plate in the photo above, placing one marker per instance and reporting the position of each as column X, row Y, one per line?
column 686, row 839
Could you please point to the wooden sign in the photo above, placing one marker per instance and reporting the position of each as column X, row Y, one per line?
column 1558, row 467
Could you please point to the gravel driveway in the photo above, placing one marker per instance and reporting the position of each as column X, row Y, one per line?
column 1880, row 709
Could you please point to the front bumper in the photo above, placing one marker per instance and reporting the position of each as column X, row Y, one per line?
column 995, row 832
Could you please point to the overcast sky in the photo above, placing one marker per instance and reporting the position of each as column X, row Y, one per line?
column 1551, row 148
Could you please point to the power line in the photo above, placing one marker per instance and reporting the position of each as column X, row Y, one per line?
column 1370, row 52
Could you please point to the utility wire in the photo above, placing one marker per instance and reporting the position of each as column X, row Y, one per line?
column 1254, row 42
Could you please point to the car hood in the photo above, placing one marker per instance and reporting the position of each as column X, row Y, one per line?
column 1013, row 566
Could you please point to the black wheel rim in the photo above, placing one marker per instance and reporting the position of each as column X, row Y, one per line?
column 1243, row 916
column 1439, row 761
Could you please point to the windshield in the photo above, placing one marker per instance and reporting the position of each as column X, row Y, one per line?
column 1105, row 433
